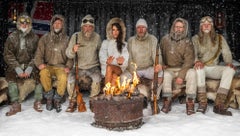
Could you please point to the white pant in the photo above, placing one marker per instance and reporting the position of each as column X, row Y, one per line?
column 224, row 73
column 145, row 73
column 191, row 82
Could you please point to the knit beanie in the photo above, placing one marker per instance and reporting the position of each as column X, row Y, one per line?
column 141, row 22
column 88, row 20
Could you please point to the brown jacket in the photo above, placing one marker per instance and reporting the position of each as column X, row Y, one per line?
column 51, row 48
column 178, row 53
column 14, row 56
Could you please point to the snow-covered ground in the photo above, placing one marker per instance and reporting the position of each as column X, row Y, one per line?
column 176, row 123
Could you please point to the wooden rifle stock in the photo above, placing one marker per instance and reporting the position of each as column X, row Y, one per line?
column 80, row 102
column 155, row 109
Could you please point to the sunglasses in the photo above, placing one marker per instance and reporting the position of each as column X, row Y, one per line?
column 23, row 20
column 88, row 20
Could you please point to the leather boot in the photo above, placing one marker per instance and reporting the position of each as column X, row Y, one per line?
column 72, row 106
column 16, row 107
column 38, row 106
column 219, row 105
column 202, row 101
column 190, row 106
column 167, row 102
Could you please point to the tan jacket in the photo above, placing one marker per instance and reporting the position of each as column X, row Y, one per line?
column 205, row 53
column 88, row 51
column 52, row 47
column 142, row 52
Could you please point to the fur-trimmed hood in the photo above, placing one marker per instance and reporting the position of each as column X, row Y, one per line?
column 54, row 18
column 25, row 17
column 109, row 28
column 185, row 23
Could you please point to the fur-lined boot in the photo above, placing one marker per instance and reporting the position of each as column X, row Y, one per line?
column 16, row 107
column 219, row 105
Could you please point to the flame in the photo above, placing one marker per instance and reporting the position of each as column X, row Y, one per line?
column 126, row 85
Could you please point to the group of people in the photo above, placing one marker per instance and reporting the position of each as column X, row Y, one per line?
column 182, row 60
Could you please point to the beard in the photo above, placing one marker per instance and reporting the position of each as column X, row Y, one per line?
column 88, row 34
column 23, row 29
column 57, row 31
column 177, row 35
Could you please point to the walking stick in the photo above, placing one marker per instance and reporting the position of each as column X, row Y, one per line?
column 155, row 109
column 80, row 102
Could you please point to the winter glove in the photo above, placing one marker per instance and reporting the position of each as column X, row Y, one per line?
column 28, row 70
column 18, row 70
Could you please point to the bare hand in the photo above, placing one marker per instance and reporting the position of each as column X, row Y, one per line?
column 179, row 81
column 120, row 60
column 67, row 70
column 75, row 48
column 41, row 66
column 22, row 75
column 198, row 65
column 158, row 68
column 110, row 60
column 231, row 66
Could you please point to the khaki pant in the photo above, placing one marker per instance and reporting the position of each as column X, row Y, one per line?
column 224, row 73
column 46, row 79
column 93, row 73
column 191, row 82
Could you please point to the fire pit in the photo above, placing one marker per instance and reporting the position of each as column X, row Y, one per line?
column 117, row 112
column 120, row 107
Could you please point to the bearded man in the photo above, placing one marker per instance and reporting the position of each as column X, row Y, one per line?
column 178, row 59
column 86, row 44
column 19, row 50
column 51, row 60
column 208, row 47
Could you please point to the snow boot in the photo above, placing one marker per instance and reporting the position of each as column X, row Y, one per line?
column 49, row 97
column 167, row 102
column 219, row 105
column 16, row 107
column 190, row 106
column 38, row 106
column 57, row 102
column 202, row 102
column 72, row 106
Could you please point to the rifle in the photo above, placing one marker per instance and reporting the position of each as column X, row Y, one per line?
column 80, row 102
column 155, row 108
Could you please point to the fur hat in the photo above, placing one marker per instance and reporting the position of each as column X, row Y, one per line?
column 141, row 22
column 24, row 18
column 88, row 20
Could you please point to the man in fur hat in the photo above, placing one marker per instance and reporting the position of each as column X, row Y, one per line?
column 86, row 44
column 142, row 52
column 19, row 50
column 178, row 59
column 51, row 60
column 208, row 47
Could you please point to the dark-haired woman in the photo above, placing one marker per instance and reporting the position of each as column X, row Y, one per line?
column 113, row 53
